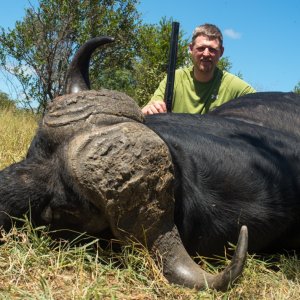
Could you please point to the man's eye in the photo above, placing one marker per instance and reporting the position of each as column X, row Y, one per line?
column 210, row 49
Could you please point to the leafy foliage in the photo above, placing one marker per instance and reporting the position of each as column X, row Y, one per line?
column 297, row 88
column 6, row 102
column 225, row 64
column 154, row 47
column 38, row 50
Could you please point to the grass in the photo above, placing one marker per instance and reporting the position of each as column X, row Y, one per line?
column 16, row 132
column 34, row 266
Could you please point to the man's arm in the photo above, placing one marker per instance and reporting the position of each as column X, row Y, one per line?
column 156, row 104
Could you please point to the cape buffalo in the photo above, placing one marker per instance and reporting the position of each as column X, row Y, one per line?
column 180, row 184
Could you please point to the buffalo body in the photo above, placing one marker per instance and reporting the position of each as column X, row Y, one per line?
column 180, row 184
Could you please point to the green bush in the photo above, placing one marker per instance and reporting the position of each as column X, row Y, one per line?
column 6, row 102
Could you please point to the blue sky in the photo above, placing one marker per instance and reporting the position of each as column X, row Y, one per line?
column 261, row 37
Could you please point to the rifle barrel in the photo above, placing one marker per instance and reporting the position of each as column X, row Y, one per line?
column 172, row 66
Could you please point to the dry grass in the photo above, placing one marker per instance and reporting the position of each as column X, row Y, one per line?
column 16, row 131
column 33, row 266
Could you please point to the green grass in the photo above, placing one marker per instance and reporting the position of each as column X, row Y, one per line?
column 34, row 266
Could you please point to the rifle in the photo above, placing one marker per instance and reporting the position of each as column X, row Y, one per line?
column 171, row 66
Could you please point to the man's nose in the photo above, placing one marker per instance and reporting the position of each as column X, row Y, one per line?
column 206, row 51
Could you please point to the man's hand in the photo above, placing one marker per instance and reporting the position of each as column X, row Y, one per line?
column 155, row 107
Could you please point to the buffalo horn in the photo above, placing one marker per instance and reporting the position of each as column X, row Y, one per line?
column 78, row 72
column 179, row 268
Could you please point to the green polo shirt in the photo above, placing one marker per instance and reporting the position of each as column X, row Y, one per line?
column 192, row 96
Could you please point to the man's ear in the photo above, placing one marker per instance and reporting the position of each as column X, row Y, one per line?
column 190, row 48
column 222, row 51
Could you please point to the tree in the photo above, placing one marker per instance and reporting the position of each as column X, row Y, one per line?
column 297, row 88
column 225, row 64
column 6, row 102
column 153, row 52
column 38, row 50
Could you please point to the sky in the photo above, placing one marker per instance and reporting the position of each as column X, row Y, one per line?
column 261, row 37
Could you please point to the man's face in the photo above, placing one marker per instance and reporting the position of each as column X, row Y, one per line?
column 205, row 53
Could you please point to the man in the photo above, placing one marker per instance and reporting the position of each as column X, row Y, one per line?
column 203, row 86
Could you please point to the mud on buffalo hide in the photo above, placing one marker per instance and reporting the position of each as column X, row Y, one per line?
column 93, row 165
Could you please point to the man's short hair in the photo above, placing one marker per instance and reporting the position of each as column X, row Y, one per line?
column 209, row 30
